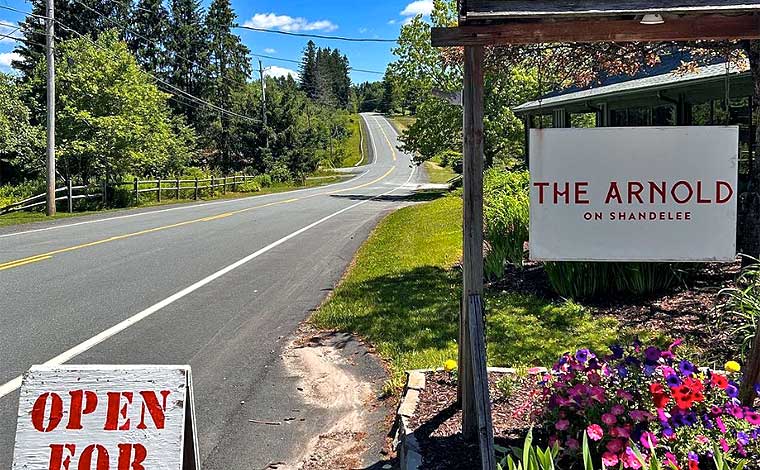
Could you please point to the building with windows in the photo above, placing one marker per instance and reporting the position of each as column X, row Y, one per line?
column 712, row 95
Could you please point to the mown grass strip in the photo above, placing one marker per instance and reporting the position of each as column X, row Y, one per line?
column 402, row 294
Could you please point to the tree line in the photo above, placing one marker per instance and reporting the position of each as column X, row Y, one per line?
column 149, row 89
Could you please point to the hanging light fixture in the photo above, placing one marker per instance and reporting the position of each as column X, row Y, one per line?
column 652, row 19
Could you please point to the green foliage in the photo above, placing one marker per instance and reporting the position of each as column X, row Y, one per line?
column 14, row 193
column 580, row 280
column 742, row 305
column 264, row 181
column 250, row 186
column 506, row 209
column 149, row 19
column 112, row 120
column 324, row 76
column 21, row 143
column 437, row 129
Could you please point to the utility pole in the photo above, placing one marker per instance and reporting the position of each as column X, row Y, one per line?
column 264, row 102
column 50, row 43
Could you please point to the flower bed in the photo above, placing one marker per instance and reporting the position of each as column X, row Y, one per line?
column 634, row 408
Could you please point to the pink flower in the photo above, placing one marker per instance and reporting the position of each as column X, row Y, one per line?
column 702, row 439
column 623, row 432
column 724, row 445
column 609, row 419
column 595, row 432
column 562, row 425
column 616, row 445
column 609, row 459
column 617, row 410
column 647, row 438
column 572, row 443
column 630, row 460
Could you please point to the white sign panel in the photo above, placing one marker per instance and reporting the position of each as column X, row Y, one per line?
column 106, row 418
column 634, row 194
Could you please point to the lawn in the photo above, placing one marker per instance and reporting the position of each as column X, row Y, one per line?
column 402, row 294
column 438, row 174
column 401, row 122
column 321, row 178
column 352, row 147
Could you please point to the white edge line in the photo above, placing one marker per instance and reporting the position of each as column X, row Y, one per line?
column 170, row 209
column 361, row 141
column 66, row 356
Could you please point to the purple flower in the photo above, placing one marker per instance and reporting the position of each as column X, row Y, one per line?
column 652, row 354
column 687, row 368
column 742, row 438
column 622, row 371
column 732, row 390
column 617, row 351
column 582, row 355
column 757, row 388
column 673, row 380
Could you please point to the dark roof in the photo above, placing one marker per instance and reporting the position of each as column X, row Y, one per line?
column 546, row 9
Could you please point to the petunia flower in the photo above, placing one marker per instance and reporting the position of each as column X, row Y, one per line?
column 686, row 368
column 595, row 432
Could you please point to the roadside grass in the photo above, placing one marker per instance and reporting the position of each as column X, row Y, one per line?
column 437, row 174
column 22, row 217
column 402, row 294
column 352, row 147
column 401, row 122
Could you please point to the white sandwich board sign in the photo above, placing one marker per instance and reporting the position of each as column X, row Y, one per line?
column 106, row 418
column 634, row 194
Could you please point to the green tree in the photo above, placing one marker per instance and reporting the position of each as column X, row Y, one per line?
column 230, row 68
column 149, row 27
column 187, row 57
column 21, row 143
column 112, row 119
column 308, row 70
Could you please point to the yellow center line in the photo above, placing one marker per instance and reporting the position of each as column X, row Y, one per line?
column 50, row 254
column 21, row 263
column 393, row 149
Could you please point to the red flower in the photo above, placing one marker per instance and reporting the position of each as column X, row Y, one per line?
column 693, row 465
column 719, row 381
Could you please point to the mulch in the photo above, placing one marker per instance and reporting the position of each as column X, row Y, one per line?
column 437, row 421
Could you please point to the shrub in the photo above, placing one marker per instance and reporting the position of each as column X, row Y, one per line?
column 250, row 186
column 742, row 305
column 507, row 214
column 448, row 157
column 647, row 401
column 14, row 193
column 581, row 280
column 264, row 180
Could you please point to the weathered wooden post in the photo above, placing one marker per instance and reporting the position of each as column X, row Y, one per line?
column 195, row 192
column 224, row 186
column 105, row 192
column 136, row 191
column 178, row 183
column 473, row 229
column 211, row 187
column 70, row 195
column 158, row 187
column 234, row 183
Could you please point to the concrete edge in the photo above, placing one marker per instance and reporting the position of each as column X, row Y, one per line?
column 405, row 442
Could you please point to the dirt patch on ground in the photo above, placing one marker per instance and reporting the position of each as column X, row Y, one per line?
column 323, row 361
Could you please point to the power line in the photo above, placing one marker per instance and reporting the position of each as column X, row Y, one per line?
column 315, row 36
column 292, row 61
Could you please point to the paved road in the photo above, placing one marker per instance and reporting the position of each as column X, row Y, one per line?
column 212, row 285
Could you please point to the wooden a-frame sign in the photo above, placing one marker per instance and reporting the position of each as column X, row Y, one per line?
column 106, row 418
column 505, row 22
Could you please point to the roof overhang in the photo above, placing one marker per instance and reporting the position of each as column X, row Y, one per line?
column 495, row 22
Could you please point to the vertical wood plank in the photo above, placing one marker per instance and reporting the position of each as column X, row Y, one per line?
column 480, row 381
column 472, row 228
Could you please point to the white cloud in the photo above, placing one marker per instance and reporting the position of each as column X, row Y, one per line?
column 289, row 23
column 269, row 50
column 391, row 21
column 363, row 30
column 275, row 71
column 418, row 7
column 6, row 58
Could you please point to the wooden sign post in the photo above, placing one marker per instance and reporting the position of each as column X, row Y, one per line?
column 509, row 22
column 106, row 418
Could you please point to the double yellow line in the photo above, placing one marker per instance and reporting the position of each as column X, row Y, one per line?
column 393, row 149
column 45, row 256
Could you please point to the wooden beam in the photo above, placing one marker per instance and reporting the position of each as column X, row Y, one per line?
column 688, row 28
column 480, row 382
column 472, row 265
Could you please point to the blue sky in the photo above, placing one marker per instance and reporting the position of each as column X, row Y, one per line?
column 366, row 19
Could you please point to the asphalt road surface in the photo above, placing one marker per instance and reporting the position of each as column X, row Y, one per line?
column 213, row 285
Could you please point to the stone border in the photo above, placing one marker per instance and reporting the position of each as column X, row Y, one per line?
column 405, row 442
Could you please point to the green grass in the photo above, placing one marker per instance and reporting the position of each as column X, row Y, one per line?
column 323, row 178
column 401, row 123
column 352, row 147
column 402, row 294
column 438, row 174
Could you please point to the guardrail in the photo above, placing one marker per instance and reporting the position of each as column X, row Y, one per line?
column 159, row 186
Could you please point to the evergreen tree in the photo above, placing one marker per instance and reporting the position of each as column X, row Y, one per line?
column 187, row 55
column 308, row 72
column 230, row 68
column 149, row 25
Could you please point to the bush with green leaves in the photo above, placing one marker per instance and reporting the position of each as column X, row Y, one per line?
column 580, row 280
column 742, row 305
column 250, row 186
column 506, row 209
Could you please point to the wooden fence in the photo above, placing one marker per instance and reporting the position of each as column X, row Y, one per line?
column 163, row 188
